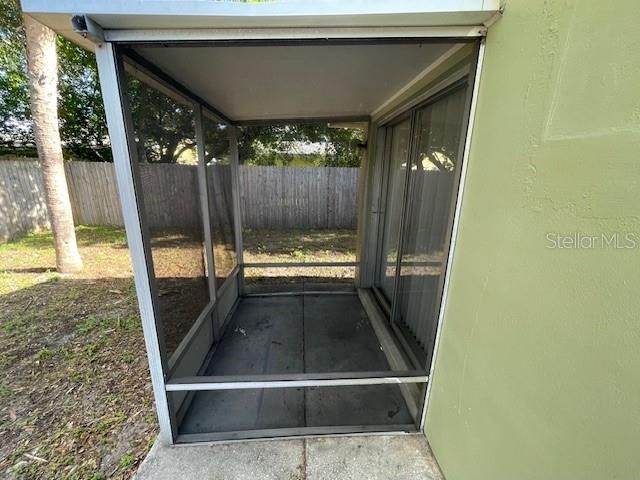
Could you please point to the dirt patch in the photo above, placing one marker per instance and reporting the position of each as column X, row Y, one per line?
column 299, row 246
column 180, row 280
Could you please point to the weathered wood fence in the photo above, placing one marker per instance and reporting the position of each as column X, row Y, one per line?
column 300, row 197
column 271, row 197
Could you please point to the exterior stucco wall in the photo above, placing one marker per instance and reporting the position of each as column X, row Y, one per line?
column 538, row 371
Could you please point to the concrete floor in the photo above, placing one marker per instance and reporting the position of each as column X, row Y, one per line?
column 296, row 334
column 346, row 458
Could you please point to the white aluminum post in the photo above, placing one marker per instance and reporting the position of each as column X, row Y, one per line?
column 114, row 109
column 237, row 214
column 203, row 185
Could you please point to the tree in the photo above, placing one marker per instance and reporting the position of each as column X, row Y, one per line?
column 83, row 127
column 43, row 86
column 262, row 145
column 164, row 128
column 15, row 129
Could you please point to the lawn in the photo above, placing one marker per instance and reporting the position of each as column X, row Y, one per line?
column 299, row 246
column 75, row 395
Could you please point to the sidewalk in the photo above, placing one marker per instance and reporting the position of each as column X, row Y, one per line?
column 346, row 458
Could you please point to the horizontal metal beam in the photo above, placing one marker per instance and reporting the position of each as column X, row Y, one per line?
column 291, row 120
column 298, row 264
column 333, row 379
column 301, row 33
column 300, row 293
column 295, row 432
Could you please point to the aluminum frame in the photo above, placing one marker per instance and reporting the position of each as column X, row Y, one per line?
column 289, row 34
column 405, row 340
column 472, row 74
column 456, row 222
column 299, row 293
column 294, row 380
column 110, row 77
column 186, row 439
column 368, row 206
column 166, row 415
column 237, row 212
column 299, row 264
column 203, row 185
column 165, row 84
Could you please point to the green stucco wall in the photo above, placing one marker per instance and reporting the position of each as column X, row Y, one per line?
column 538, row 372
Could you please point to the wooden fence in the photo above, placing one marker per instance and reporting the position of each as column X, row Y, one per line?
column 301, row 197
column 271, row 197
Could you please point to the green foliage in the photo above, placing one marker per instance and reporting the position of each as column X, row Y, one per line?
column 128, row 460
column 266, row 144
column 164, row 127
column 216, row 140
column 14, row 89
column 82, row 121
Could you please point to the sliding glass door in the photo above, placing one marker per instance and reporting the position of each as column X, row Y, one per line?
column 430, row 201
column 397, row 136
column 423, row 171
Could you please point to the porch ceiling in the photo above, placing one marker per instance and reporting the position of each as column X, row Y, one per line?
column 260, row 82
column 303, row 81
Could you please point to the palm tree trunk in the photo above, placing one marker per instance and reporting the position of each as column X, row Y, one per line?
column 43, row 87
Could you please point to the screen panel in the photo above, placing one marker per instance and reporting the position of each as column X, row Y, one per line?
column 220, row 194
column 299, row 187
column 217, row 412
column 163, row 129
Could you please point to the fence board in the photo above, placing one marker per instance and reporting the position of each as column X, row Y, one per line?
column 271, row 197
column 22, row 206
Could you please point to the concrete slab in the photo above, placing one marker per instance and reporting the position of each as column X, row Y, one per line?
column 372, row 457
column 347, row 458
column 272, row 460
column 265, row 337
column 338, row 337
column 311, row 333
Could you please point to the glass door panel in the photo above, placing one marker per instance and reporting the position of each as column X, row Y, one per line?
column 396, row 161
column 433, row 182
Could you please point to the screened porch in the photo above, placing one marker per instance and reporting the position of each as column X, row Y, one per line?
column 236, row 350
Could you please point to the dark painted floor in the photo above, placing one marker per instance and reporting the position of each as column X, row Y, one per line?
column 296, row 334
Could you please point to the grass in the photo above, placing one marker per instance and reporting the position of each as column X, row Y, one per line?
column 31, row 260
column 75, row 395
column 299, row 246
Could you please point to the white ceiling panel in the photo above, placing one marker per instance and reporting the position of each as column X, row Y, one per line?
column 301, row 81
